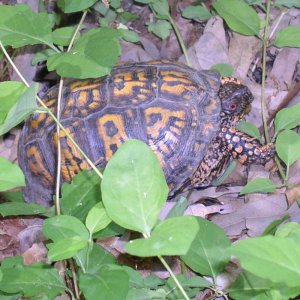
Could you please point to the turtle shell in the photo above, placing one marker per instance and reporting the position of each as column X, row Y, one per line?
column 173, row 108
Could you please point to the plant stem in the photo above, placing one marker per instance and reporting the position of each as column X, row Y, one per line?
column 180, row 40
column 59, row 97
column 264, row 59
column 40, row 101
column 174, row 277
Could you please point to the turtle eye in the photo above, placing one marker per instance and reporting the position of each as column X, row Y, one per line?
column 232, row 106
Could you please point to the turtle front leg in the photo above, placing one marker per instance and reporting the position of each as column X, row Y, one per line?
column 245, row 148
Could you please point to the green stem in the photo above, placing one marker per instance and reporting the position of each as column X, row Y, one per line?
column 50, row 113
column 174, row 277
column 263, row 84
column 180, row 40
column 59, row 97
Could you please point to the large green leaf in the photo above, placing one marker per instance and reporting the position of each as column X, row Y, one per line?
column 61, row 227
column 10, row 92
column 261, row 185
column 239, row 16
column 251, row 287
column 288, row 3
column 97, row 218
column 20, row 26
column 62, row 36
column 287, row 118
column 92, row 260
column 273, row 258
column 170, row 237
column 160, row 28
column 288, row 37
column 20, row 110
column 21, row 209
column 92, row 56
column 106, row 284
column 79, row 196
column 33, row 280
column 207, row 254
column 66, row 248
column 11, row 175
column 70, row 6
column 133, row 187
column 287, row 146
column 196, row 12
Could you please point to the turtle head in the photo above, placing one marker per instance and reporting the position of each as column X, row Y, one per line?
column 235, row 99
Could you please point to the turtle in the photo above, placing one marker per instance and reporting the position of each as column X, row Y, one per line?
column 186, row 116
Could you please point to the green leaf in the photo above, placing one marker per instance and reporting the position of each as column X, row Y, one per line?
column 11, row 175
column 33, row 280
column 10, row 297
column 21, row 209
column 287, row 118
column 127, row 16
column 287, row 146
column 288, row 3
column 81, row 194
column 207, row 254
column 62, row 36
column 20, row 110
column 223, row 69
column 92, row 260
column 289, row 230
column 106, row 284
column 161, row 7
column 143, row 294
column 16, row 196
column 115, row 3
column 62, row 227
column 160, row 28
column 92, row 56
column 170, row 237
column 251, row 287
column 196, row 12
column 271, row 229
column 20, row 26
column 230, row 167
column 259, row 185
column 70, row 6
column 66, row 248
column 134, row 188
column 42, row 56
column 129, row 35
column 273, row 258
column 288, row 37
column 179, row 208
column 10, row 92
column 97, row 218
column 249, row 128
column 239, row 16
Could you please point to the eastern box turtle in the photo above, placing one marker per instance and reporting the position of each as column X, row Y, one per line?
column 186, row 116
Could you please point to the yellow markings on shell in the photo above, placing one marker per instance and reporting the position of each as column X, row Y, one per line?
column 51, row 102
column 159, row 155
column 35, row 164
column 36, row 123
column 70, row 166
column 212, row 106
column 172, row 75
column 127, row 90
column 117, row 139
column 84, row 85
column 153, row 130
column 121, row 77
column 83, row 98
